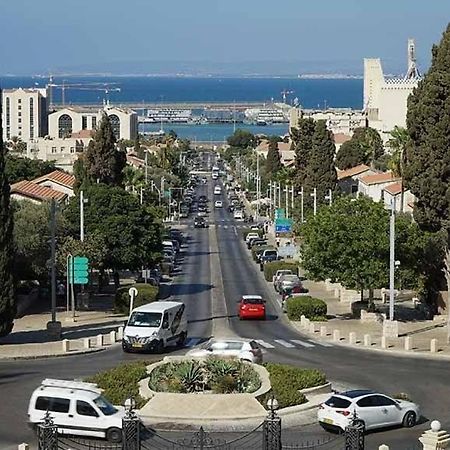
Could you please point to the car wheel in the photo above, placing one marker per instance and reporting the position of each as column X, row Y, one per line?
column 410, row 419
column 182, row 340
column 114, row 435
column 160, row 346
column 125, row 349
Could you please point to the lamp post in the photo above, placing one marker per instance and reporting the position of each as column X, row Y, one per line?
column 83, row 201
column 392, row 259
column 301, row 205
column 314, row 196
column 146, row 166
column 286, row 190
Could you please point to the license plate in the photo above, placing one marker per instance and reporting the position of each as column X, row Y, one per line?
column 137, row 345
column 328, row 421
column 253, row 309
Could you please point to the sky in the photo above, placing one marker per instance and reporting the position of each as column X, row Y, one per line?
column 127, row 36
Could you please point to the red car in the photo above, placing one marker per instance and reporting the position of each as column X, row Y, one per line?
column 252, row 307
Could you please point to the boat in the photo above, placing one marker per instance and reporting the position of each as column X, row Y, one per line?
column 169, row 115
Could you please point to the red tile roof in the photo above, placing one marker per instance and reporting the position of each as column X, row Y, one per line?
column 342, row 174
column 340, row 138
column 35, row 191
column 379, row 178
column 394, row 188
column 59, row 177
column 83, row 134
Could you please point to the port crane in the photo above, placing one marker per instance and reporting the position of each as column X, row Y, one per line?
column 285, row 93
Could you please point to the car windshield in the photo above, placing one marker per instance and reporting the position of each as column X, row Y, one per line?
column 253, row 301
column 104, row 406
column 145, row 319
column 270, row 252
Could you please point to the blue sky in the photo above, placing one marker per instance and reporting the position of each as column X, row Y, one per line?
column 37, row 36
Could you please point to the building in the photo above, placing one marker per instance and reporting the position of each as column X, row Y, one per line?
column 373, row 185
column 348, row 180
column 284, row 148
column 24, row 113
column 392, row 193
column 28, row 190
column 67, row 121
column 59, row 181
column 385, row 99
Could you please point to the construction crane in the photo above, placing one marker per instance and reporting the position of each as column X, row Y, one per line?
column 285, row 93
column 103, row 87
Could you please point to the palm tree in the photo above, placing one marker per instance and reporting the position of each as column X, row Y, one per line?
column 133, row 178
column 398, row 143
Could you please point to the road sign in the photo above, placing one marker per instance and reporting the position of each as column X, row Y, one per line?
column 283, row 225
column 280, row 213
column 79, row 272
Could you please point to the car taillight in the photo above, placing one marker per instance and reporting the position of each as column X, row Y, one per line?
column 344, row 413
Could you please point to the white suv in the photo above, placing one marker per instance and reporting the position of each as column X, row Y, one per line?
column 76, row 408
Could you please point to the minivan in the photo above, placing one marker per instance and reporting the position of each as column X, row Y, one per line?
column 155, row 326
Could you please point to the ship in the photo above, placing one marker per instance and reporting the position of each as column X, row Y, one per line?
column 169, row 115
column 264, row 116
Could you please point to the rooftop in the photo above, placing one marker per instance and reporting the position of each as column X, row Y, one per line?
column 379, row 178
column 342, row 174
column 394, row 188
column 340, row 138
column 57, row 176
column 35, row 191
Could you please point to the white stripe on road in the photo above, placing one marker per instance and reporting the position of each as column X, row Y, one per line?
column 225, row 226
column 264, row 344
column 323, row 344
column 303, row 344
column 284, row 343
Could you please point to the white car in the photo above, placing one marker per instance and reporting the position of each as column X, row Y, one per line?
column 251, row 235
column 235, row 348
column 238, row 215
column 373, row 410
column 217, row 190
column 218, row 204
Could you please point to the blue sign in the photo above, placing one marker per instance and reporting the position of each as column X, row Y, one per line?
column 285, row 228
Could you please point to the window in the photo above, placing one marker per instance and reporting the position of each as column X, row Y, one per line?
column 19, row 101
column 64, row 126
column 104, row 406
column 94, row 123
column 85, row 409
column 366, row 402
column 63, row 149
column 54, row 404
column 53, row 149
column 19, row 119
column 338, row 402
column 83, row 122
column 19, row 113
column 381, row 400
column 72, row 149
column 115, row 125
column 145, row 319
column 166, row 321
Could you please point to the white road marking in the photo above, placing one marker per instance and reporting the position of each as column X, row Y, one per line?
column 192, row 342
column 303, row 344
column 225, row 226
column 235, row 231
column 323, row 344
column 284, row 343
column 264, row 344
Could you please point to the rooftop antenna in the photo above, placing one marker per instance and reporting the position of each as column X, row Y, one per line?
column 413, row 72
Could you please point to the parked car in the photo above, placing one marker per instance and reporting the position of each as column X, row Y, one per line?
column 288, row 281
column 268, row 255
column 278, row 275
column 217, row 190
column 252, row 307
column 177, row 235
column 234, row 348
column 76, row 408
column 238, row 214
column 200, row 222
column 251, row 235
column 218, row 204
column 373, row 410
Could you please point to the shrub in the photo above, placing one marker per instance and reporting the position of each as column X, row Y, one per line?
column 146, row 294
column 309, row 307
column 271, row 268
column 287, row 381
column 121, row 382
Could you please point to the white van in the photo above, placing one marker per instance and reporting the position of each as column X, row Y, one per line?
column 217, row 190
column 155, row 326
column 76, row 408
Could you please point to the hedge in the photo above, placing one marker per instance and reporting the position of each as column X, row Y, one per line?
column 287, row 381
column 146, row 294
column 121, row 382
column 271, row 268
column 310, row 307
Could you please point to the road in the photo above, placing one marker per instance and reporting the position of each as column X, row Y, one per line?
column 424, row 380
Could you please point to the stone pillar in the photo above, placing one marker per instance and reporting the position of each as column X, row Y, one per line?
column 352, row 337
column 307, row 323
column 312, row 327
column 336, row 335
column 433, row 346
column 120, row 333
column 384, row 343
column 65, row 345
column 86, row 343
column 435, row 439
column 112, row 337
column 100, row 340
column 383, row 447
column 23, row 447
column 323, row 331
column 367, row 340
column 408, row 343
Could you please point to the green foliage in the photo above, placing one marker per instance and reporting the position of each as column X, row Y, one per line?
column 271, row 268
column 287, row 381
column 273, row 160
column 309, row 307
column 20, row 168
column 242, row 139
column 121, row 382
column 146, row 294
column 302, row 143
column 104, row 163
column 427, row 172
column 349, row 155
column 7, row 294
column 190, row 375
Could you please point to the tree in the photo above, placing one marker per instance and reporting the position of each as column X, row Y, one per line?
column 20, row 168
column 273, row 161
column 242, row 139
column 349, row 155
column 104, row 163
column 16, row 145
column 7, row 291
column 302, row 138
column 427, row 171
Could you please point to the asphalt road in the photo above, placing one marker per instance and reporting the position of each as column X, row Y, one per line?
column 424, row 380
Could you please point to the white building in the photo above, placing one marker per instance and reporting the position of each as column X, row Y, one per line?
column 66, row 121
column 373, row 185
column 385, row 99
column 24, row 113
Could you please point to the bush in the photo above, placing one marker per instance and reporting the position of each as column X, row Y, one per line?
column 271, row 268
column 146, row 294
column 121, row 382
column 287, row 381
column 309, row 307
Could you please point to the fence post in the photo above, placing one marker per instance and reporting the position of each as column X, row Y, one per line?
column 131, row 438
column 354, row 435
column 47, row 434
column 272, row 427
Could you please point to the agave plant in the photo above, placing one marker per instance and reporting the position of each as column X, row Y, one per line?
column 221, row 367
column 190, row 375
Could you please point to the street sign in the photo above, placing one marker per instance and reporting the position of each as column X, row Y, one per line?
column 79, row 272
column 280, row 213
column 283, row 225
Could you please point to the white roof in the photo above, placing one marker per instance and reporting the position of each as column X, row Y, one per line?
column 246, row 297
column 157, row 306
column 70, row 386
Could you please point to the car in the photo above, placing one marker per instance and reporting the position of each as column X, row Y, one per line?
column 279, row 273
column 218, row 204
column 76, row 408
column 200, row 222
column 288, row 281
column 238, row 214
column 373, row 410
column 217, row 190
column 251, row 235
column 233, row 348
column 252, row 307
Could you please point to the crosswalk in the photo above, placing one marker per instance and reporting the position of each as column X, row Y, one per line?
column 276, row 343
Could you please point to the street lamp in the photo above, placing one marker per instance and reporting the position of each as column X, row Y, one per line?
column 83, row 201
column 392, row 259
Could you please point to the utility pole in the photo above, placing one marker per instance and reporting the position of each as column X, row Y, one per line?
column 292, row 198
column 301, row 205
column 314, row 196
column 270, row 197
column 146, row 166
column 329, row 197
column 81, row 216
column 258, row 187
column 392, row 260
column 286, row 190
column 279, row 194
column 53, row 257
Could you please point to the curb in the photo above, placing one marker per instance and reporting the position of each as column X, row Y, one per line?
column 56, row 355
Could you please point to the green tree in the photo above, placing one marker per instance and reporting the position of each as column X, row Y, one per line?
column 20, row 168
column 242, row 139
column 7, row 291
column 302, row 142
column 427, row 171
column 16, row 145
column 273, row 160
column 349, row 155
column 104, row 163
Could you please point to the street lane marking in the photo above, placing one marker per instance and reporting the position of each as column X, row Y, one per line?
column 284, row 343
column 303, row 344
column 264, row 344
column 323, row 344
column 235, row 231
column 225, row 226
column 192, row 342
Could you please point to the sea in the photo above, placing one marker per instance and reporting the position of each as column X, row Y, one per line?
column 311, row 93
